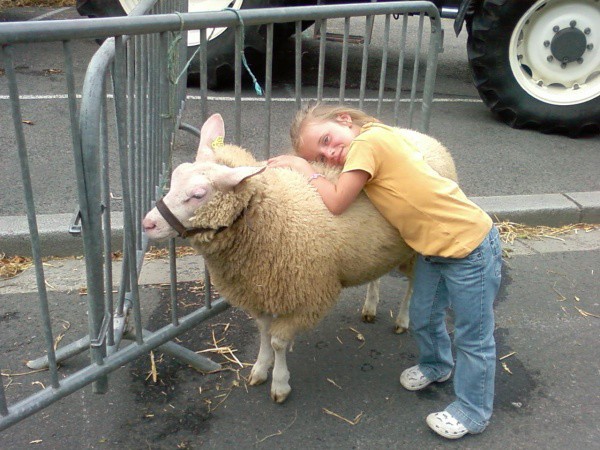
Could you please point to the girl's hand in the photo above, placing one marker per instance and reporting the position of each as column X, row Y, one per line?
column 337, row 197
column 294, row 162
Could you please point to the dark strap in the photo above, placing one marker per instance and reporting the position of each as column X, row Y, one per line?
column 170, row 217
column 182, row 231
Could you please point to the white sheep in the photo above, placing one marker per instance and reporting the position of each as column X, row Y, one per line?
column 273, row 248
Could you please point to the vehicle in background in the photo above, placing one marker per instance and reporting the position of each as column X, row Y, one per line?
column 535, row 63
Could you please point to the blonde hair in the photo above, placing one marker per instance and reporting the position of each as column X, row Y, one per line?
column 321, row 112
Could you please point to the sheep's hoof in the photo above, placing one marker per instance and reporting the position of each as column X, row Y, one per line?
column 256, row 381
column 280, row 395
column 400, row 329
column 257, row 377
column 368, row 318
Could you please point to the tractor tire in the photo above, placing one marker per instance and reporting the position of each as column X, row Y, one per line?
column 536, row 63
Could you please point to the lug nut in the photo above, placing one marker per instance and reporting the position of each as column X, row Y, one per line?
column 546, row 43
column 540, row 83
column 556, row 28
column 587, row 31
column 580, row 60
column 590, row 46
column 572, row 23
column 550, row 58
column 575, row 86
column 563, row 65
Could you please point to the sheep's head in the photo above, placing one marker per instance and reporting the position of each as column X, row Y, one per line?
column 197, row 189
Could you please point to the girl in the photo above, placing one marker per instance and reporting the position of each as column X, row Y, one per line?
column 459, row 260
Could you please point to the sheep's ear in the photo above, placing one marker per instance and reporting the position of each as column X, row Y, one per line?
column 231, row 177
column 212, row 134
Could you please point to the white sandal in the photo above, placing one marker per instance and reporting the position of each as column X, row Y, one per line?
column 446, row 425
column 414, row 380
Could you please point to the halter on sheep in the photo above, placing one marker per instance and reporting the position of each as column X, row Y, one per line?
column 288, row 268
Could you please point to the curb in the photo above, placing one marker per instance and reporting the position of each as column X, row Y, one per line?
column 553, row 210
column 541, row 209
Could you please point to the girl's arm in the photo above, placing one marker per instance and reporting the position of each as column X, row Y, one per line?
column 337, row 197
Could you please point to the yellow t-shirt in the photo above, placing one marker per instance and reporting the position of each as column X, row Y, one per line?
column 431, row 212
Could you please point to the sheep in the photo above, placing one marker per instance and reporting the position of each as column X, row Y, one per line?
column 273, row 248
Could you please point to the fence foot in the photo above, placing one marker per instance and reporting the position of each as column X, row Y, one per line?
column 182, row 354
column 62, row 353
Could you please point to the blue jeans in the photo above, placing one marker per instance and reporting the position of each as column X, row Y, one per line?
column 469, row 286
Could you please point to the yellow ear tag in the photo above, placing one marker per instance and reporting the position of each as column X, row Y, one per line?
column 218, row 142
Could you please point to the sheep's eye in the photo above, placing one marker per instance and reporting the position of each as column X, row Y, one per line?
column 196, row 195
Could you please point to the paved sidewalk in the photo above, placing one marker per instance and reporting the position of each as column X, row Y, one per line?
column 543, row 209
column 68, row 274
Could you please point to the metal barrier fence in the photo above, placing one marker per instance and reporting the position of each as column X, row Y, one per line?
column 132, row 99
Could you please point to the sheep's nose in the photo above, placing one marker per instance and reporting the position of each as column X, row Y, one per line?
column 148, row 224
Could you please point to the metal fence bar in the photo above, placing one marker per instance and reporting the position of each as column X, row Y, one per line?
column 384, row 60
column 31, row 216
column 239, row 45
column 298, row 64
column 413, row 89
column 103, row 28
column 128, row 215
column 3, row 403
column 266, row 153
column 344, row 63
column 400, row 70
column 365, row 59
column 106, row 224
column 173, row 281
column 203, row 74
column 87, row 156
column 322, row 52
column 435, row 48
column 165, row 105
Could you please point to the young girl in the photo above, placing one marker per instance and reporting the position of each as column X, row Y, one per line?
column 459, row 258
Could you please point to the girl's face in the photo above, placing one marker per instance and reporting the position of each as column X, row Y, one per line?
column 328, row 142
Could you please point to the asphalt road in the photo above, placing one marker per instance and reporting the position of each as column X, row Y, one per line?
column 492, row 159
column 547, row 393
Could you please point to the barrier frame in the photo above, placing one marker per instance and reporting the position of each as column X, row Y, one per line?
column 145, row 129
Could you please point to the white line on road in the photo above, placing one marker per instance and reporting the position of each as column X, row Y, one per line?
column 50, row 13
column 258, row 99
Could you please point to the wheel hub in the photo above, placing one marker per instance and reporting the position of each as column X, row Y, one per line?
column 554, row 51
column 568, row 45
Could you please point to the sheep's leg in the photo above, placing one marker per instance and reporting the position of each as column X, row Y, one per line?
column 264, row 361
column 285, row 327
column 280, row 387
column 402, row 318
column 369, row 310
column 407, row 267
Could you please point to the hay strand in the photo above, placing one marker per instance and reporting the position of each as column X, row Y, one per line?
column 510, row 231
column 279, row 432
column 351, row 422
